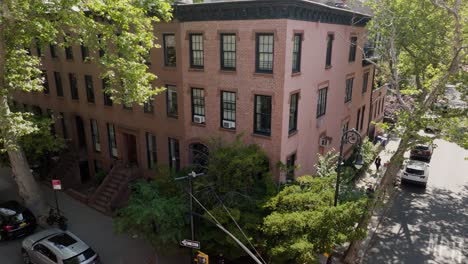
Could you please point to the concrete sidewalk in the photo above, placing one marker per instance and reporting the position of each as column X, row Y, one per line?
column 96, row 230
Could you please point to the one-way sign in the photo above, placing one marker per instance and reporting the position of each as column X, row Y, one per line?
column 190, row 244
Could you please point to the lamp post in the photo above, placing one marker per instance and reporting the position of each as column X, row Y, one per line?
column 352, row 137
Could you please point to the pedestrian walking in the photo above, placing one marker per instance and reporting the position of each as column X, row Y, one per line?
column 377, row 162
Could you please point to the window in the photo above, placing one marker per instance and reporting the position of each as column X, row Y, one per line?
column 296, row 60
column 365, row 81
column 228, row 110
column 107, row 97
column 68, row 50
column 264, row 54
column 97, row 166
column 322, row 102
column 170, row 58
column 95, row 135
column 101, row 50
column 196, row 51
column 382, row 105
column 148, row 106
column 43, row 250
column 262, row 118
column 293, row 103
column 151, row 150
column 80, row 258
column 328, row 61
column 50, row 115
column 64, row 126
column 198, row 105
column 84, row 52
column 349, row 89
column 363, row 110
column 53, row 50
column 290, row 167
column 171, row 101
column 46, row 82
column 228, row 51
column 352, row 49
column 127, row 106
column 39, row 48
column 174, row 154
column 112, row 140
column 344, row 128
column 73, row 86
column 89, row 88
column 58, row 83
column 358, row 116
column 378, row 106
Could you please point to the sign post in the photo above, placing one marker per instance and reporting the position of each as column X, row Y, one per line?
column 56, row 185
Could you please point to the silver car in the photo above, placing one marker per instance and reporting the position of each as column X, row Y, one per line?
column 54, row 246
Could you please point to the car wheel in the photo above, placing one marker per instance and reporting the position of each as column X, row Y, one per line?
column 26, row 258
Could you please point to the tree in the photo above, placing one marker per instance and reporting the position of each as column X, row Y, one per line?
column 156, row 211
column 236, row 185
column 422, row 47
column 123, row 29
column 303, row 222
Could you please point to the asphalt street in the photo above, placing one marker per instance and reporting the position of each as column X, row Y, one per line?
column 428, row 225
column 92, row 227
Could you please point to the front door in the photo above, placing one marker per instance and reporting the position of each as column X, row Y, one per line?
column 130, row 142
column 84, row 171
column 80, row 131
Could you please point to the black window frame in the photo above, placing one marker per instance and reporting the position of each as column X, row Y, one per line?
column 382, row 104
column 174, row 153
column 95, row 135
column 349, row 89
column 84, row 53
column 64, row 125
column 358, row 118
column 167, row 62
column 53, row 50
column 365, row 81
column 293, row 112
column 290, row 166
column 89, row 86
column 328, row 55
column 200, row 49
column 112, row 141
column 264, row 129
column 198, row 102
column 46, row 89
column 148, row 106
column 151, row 150
column 58, row 83
column 107, row 98
column 322, row 101
column 68, row 50
column 228, row 108
column 39, row 50
column 73, row 86
column 172, row 106
column 297, row 53
column 352, row 49
column 259, row 69
column 224, row 54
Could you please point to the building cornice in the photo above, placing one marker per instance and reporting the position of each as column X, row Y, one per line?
column 269, row 9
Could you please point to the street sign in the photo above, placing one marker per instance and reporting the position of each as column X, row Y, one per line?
column 56, row 185
column 190, row 244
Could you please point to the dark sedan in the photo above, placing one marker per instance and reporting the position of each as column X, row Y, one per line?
column 15, row 220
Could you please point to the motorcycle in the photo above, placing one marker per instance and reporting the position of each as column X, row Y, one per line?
column 56, row 218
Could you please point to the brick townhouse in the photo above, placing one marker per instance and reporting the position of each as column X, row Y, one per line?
column 287, row 74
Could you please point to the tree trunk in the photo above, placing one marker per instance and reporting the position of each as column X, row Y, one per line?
column 27, row 186
column 393, row 167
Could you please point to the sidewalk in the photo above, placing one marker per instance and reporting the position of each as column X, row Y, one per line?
column 373, row 177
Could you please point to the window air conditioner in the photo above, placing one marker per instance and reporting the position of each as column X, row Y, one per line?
column 198, row 119
column 229, row 124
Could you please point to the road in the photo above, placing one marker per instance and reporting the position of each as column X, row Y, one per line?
column 428, row 225
column 92, row 227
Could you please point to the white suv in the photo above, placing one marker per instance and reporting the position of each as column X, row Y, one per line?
column 57, row 246
column 415, row 172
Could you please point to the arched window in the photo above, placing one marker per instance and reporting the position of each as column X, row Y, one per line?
column 199, row 156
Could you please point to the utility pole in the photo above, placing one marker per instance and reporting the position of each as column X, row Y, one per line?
column 189, row 177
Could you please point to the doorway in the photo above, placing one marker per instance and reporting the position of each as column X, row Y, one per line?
column 131, row 145
column 84, row 171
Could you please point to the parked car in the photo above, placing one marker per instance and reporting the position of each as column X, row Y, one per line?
column 422, row 152
column 57, row 246
column 15, row 220
column 415, row 172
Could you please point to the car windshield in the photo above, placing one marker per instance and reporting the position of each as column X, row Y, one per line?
column 414, row 171
column 80, row 258
column 422, row 147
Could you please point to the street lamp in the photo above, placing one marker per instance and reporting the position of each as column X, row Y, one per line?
column 352, row 137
